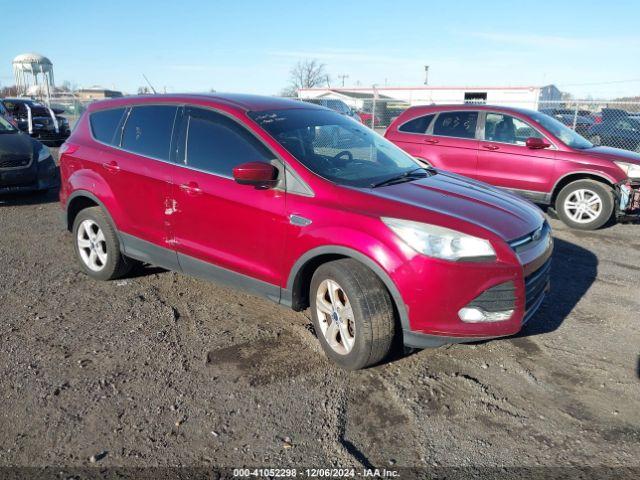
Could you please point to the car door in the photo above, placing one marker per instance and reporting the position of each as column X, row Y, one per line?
column 505, row 161
column 411, row 135
column 138, row 173
column 451, row 142
column 224, row 230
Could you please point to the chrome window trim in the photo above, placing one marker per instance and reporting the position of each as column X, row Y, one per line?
column 129, row 107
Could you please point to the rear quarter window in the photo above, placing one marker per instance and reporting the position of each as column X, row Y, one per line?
column 104, row 125
column 417, row 125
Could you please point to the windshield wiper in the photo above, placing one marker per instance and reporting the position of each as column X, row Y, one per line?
column 404, row 177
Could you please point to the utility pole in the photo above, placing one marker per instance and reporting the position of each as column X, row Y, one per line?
column 426, row 74
column 342, row 77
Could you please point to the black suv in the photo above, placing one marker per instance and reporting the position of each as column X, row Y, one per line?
column 38, row 120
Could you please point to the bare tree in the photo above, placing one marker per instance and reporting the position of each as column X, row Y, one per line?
column 306, row 73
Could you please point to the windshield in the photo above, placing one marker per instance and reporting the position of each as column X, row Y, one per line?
column 5, row 126
column 336, row 147
column 561, row 131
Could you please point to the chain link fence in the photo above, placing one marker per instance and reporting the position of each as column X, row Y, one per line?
column 612, row 123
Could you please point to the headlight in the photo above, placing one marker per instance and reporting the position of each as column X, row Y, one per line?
column 440, row 242
column 44, row 153
column 631, row 170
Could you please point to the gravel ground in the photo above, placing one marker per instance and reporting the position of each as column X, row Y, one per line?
column 162, row 370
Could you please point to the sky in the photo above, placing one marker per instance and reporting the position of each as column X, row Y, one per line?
column 584, row 47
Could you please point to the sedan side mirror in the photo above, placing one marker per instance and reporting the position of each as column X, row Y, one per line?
column 536, row 143
column 258, row 174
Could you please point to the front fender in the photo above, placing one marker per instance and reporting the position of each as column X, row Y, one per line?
column 382, row 259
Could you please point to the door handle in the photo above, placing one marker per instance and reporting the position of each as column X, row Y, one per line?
column 191, row 188
column 491, row 147
column 111, row 166
column 431, row 141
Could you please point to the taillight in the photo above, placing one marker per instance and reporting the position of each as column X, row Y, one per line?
column 69, row 148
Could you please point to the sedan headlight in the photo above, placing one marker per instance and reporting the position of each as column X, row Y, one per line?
column 631, row 170
column 440, row 242
column 44, row 153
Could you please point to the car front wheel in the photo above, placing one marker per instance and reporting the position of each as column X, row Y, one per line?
column 352, row 313
column 585, row 204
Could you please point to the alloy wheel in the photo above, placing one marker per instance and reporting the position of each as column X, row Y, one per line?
column 92, row 245
column 583, row 206
column 335, row 316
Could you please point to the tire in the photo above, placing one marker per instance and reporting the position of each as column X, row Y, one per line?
column 581, row 192
column 108, row 262
column 369, row 325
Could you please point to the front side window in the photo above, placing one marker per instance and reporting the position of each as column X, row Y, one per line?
column 507, row 129
column 417, row 125
column 104, row 125
column 5, row 126
column 335, row 147
column 217, row 144
column 456, row 124
column 560, row 131
column 148, row 130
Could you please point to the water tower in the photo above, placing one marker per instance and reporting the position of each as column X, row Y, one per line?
column 34, row 75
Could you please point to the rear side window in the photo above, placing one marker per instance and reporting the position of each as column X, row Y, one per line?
column 417, row 125
column 148, row 131
column 456, row 124
column 104, row 125
column 217, row 144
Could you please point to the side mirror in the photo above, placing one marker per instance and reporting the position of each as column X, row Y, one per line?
column 536, row 143
column 258, row 174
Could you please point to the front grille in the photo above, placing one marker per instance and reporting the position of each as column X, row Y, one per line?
column 523, row 243
column 535, row 288
column 12, row 161
column 496, row 299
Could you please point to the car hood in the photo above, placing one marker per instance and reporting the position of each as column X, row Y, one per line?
column 16, row 144
column 610, row 153
column 505, row 214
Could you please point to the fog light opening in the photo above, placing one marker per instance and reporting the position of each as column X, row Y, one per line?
column 477, row 315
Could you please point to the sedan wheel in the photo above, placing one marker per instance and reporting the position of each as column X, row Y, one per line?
column 92, row 245
column 335, row 316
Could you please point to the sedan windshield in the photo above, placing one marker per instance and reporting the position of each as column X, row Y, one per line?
column 561, row 131
column 6, row 127
column 337, row 147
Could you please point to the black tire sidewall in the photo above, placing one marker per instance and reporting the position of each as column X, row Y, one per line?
column 112, row 243
column 359, row 356
column 604, row 191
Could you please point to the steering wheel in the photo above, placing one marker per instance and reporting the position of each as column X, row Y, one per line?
column 344, row 153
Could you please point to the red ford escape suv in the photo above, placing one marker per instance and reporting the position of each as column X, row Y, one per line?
column 260, row 193
column 528, row 153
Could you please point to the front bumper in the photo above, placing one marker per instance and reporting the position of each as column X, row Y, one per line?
column 43, row 175
column 434, row 321
column 627, row 200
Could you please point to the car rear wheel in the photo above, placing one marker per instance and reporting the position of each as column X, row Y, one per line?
column 585, row 204
column 352, row 313
column 97, row 246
